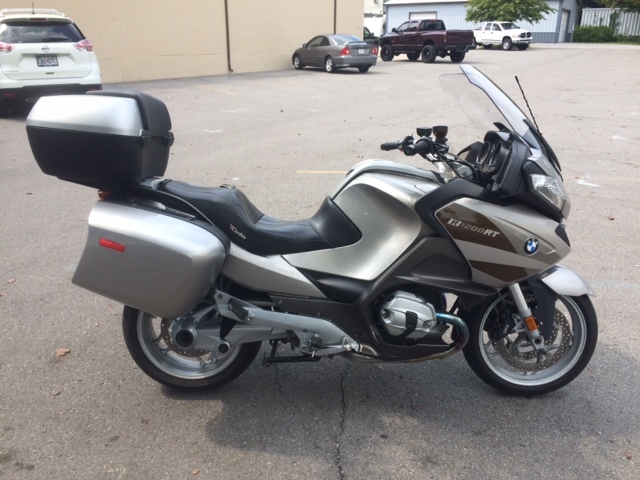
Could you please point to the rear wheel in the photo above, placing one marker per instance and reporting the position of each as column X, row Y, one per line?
column 4, row 110
column 487, row 46
column 429, row 54
column 386, row 53
column 506, row 44
column 501, row 355
column 149, row 343
column 329, row 66
column 413, row 56
column 457, row 57
column 363, row 69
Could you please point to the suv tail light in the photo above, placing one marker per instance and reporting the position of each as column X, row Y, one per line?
column 84, row 46
column 344, row 51
column 5, row 47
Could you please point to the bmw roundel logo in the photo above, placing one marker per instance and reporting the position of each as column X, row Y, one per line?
column 531, row 246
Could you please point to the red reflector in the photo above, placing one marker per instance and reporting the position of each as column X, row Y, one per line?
column 112, row 245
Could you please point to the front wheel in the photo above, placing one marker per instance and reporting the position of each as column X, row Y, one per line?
column 506, row 44
column 149, row 343
column 413, row 56
column 297, row 62
column 523, row 46
column 386, row 53
column 502, row 356
column 363, row 69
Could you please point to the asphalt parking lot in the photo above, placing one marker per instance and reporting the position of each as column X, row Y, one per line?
column 286, row 138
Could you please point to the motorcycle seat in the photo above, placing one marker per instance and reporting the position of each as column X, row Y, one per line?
column 231, row 211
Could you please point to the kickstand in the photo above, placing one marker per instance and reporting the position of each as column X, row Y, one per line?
column 268, row 361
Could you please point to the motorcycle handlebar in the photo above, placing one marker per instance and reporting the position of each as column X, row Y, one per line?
column 422, row 146
column 390, row 146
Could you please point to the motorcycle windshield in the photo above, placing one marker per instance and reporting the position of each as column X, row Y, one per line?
column 496, row 107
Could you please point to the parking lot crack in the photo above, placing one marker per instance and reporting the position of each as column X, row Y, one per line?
column 341, row 425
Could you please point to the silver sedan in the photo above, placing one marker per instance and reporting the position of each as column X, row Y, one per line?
column 334, row 52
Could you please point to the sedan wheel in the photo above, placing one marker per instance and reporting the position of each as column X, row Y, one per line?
column 329, row 66
column 297, row 63
column 363, row 69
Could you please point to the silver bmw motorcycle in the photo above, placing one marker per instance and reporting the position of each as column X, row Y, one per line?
column 398, row 264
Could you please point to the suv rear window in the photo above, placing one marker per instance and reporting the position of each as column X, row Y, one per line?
column 39, row 32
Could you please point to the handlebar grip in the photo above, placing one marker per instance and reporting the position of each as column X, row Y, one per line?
column 390, row 146
column 422, row 147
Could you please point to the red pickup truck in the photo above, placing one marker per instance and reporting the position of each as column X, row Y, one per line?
column 428, row 38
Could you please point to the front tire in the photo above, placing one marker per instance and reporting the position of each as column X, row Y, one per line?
column 509, row 363
column 297, row 62
column 506, row 44
column 145, row 337
column 386, row 53
column 413, row 56
column 363, row 69
column 523, row 46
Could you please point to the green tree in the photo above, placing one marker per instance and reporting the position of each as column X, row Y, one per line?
column 508, row 10
column 627, row 5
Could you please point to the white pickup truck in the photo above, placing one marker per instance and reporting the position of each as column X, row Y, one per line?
column 505, row 34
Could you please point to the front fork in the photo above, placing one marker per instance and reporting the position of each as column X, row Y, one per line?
column 526, row 316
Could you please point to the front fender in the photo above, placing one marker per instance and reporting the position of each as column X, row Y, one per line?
column 565, row 282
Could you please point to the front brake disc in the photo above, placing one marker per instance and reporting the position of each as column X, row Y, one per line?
column 526, row 358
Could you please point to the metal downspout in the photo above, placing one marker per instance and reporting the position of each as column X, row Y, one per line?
column 226, row 24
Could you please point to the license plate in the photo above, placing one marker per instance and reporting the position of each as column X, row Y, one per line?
column 47, row 60
column 362, row 51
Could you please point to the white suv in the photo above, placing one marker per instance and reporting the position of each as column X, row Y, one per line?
column 42, row 52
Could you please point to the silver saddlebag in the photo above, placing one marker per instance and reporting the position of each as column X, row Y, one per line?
column 151, row 261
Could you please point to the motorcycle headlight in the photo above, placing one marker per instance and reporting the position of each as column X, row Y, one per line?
column 549, row 189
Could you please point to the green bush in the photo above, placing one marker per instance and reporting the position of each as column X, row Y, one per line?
column 589, row 34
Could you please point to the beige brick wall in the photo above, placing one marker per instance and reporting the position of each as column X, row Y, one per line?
column 154, row 39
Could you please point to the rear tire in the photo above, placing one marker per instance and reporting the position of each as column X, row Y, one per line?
column 457, row 57
column 510, row 364
column 429, row 54
column 165, row 364
column 386, row 53
column 363, row 69
column 329, row 66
